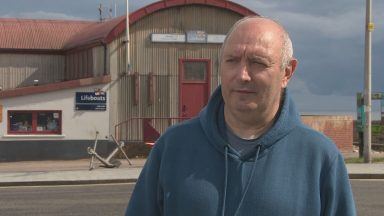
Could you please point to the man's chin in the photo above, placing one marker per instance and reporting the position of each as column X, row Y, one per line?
column 246, row 108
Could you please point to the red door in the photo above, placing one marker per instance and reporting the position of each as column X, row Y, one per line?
column 194, row 86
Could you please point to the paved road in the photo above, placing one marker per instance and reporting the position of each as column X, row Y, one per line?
column 369, row 197
column 105, row 200
column 95, row 200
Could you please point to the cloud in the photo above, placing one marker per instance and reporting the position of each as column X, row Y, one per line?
column 337, row 20
column 348, row 24
column 328, row 37
column 257, row 5
column 298, row 85
column 308, row 102
column 42, row 15
column 378, row 19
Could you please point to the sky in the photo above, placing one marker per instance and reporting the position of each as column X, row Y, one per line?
column 328, row 40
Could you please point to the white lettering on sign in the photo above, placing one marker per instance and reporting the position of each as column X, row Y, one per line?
column 192, row 37
column 92, row 98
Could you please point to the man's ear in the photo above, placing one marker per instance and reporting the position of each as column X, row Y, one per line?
column 288, row 72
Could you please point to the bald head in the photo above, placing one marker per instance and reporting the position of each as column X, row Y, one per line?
column 265, row 24
column 256, row 65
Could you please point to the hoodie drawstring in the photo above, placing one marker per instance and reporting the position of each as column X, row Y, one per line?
column 225, row 180
column 249, row 180
column 248, row 183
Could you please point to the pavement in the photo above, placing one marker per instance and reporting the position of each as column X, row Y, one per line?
column 39, row 173
column 67, row 172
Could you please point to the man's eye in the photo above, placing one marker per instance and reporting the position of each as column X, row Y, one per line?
column 256, row 62
column 231, row 60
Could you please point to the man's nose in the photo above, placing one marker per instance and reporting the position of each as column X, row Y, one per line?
column 244, row 73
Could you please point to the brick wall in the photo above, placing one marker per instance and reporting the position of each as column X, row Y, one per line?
column 338, row 128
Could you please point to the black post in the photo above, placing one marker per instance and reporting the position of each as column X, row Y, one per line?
column 360, row 122
column 361, row 144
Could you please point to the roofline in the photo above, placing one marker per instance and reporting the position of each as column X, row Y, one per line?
column 161, row 5
column 15, row 19
column 32, row 51
column 30, row 90
column 28, row 50
column 84, row 47
column 133, row 18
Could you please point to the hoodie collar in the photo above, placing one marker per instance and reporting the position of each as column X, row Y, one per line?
column 287, row 119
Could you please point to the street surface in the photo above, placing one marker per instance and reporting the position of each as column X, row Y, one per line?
column 369, row 197
column 95, row 200
column 112, row 199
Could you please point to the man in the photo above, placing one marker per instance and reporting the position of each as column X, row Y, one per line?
column 247, row 153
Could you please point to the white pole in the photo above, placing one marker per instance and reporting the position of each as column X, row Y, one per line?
column 367, row 86
column 115, row 9
column 127, row 65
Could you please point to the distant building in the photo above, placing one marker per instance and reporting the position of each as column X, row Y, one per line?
column 74, row 73
column 61, row 82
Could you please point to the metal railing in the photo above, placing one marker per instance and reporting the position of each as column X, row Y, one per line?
column 144, row 129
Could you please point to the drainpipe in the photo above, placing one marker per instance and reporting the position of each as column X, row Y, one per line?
column 128, row 62
column 105, row 59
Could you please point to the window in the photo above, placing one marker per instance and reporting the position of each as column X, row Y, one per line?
column 195, row 71
column 21, row 122
column 34, row 122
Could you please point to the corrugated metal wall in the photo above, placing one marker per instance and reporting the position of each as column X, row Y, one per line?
column 98, row 60
column 84, row 63
column 116, row 65
column 19, row 70
column 162, row 59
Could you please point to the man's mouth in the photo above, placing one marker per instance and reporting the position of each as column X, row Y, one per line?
column 245, row 91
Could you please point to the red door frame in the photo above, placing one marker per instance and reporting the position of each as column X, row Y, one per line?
column 181, row 77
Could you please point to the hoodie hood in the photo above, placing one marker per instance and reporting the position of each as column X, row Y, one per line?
column 288, row 118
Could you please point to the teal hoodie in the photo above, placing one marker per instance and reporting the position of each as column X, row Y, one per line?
column 192, row 171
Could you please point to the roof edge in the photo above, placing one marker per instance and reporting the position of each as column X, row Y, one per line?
column 31, row 51
column 15, row 19
column 160, row 5
column 30, row 90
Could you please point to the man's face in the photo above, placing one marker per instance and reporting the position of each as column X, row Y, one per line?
column 251, row 75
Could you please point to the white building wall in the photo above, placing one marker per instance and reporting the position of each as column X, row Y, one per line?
column 76, row 125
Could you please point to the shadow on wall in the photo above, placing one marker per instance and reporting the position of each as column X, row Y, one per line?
column 20, row 70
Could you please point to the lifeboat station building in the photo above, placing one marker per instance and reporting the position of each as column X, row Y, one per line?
column 64, row 84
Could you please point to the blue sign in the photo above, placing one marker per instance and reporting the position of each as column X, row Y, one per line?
column 91, row 101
